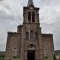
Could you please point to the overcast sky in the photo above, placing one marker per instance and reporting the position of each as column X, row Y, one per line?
column 11, row 15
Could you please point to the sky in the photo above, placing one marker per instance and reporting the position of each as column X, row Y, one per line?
column 11, row 15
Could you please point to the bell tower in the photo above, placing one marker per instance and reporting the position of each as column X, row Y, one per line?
column 31, row 13
column 32, row 33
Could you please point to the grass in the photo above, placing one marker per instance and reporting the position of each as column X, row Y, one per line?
column 2, row 56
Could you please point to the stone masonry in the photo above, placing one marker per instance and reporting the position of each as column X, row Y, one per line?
column 29, row 43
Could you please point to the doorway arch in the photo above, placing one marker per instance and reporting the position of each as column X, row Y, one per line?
column 31, row 52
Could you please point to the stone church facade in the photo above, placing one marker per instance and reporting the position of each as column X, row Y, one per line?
column 29, row 43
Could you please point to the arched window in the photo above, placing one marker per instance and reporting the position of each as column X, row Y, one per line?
column 31, row 34
column 36, row 35
column 29, row 16
column 27, row 35
column 33, row 16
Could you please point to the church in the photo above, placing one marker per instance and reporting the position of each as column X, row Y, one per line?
column 29, row 43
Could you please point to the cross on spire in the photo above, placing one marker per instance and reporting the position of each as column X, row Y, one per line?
column 30, row 2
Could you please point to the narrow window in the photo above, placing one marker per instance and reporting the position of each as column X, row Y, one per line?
column 27, row 35
column 36, row 35
column 45, row 52
column 15, row 52
column 31, row 34
column 33, row 16
column 29, row 16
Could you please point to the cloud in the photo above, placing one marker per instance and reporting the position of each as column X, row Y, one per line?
column 11, row 15
column 50, row 20
column 8, row 22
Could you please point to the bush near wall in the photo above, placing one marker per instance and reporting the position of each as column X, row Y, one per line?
column 14, row 59
column 1, row 58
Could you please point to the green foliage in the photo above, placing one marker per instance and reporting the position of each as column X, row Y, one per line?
column 2, row 55
column 13, row 59
column 48, row 59
column 58, row 59
column 57, row 52
column 2, row 52
column 54, row 57
column 1, row 58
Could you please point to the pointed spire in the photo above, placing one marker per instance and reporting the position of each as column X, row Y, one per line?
column 30, row 2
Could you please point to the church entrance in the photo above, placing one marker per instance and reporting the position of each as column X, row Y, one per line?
column 30, row 54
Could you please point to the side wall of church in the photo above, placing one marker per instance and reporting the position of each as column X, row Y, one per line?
column 48, row 45
column 13, row 45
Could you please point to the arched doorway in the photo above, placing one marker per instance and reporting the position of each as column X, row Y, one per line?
column 31, row 52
